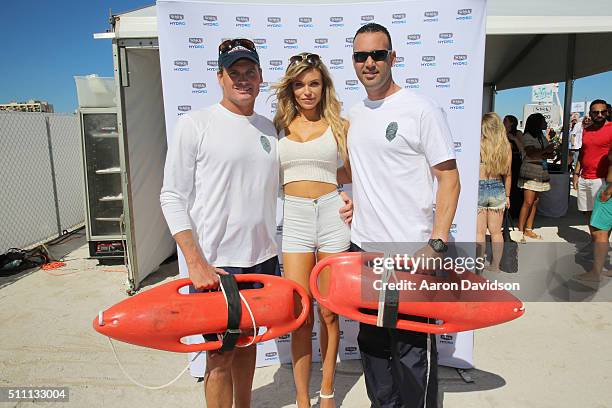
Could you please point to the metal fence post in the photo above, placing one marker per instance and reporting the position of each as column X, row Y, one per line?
column 53, row 177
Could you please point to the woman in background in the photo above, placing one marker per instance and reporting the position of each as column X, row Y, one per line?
column 534, row 177
column 515, row 137
column 312, row 136
column 494, row 186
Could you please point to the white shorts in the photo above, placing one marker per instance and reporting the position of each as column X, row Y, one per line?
column 311, row 225
column 587, row 191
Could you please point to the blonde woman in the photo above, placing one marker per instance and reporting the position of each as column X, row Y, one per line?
column 312, row 136
column 494, row 185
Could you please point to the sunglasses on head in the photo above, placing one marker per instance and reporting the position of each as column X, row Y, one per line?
column 599, row 112
column 310, row 59
column 230, row 44
column 377, row 55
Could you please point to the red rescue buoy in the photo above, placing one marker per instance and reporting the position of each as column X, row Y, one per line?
column 160, row 317
column 459, row 301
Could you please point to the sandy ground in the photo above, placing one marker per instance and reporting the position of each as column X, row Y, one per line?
column 556, row 355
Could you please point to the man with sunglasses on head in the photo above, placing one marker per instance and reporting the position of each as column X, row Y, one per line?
column 219, row 200
column 592, row 166
column 398, row 142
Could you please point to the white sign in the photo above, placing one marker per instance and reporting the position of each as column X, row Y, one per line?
column 543, row 93
column 577, row 107
column 551, row 113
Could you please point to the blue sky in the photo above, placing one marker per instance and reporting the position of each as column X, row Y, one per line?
column 45, row 43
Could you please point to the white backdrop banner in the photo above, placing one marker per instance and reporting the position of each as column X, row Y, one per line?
column 440, row 49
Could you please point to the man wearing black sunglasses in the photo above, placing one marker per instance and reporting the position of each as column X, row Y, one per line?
column 398, row 142
column 592, row 166
column 219, row 200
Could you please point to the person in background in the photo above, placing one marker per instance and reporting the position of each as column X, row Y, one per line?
column 494, row 186
column 515, row 137
column 312, row 138
column 534, row 177
column 592, row 167
column 575, row 141
column 601, row 224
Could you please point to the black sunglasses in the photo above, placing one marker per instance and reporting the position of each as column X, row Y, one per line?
column 310, row 59
column 599, row 112
column 228, row 45
column 377, row 55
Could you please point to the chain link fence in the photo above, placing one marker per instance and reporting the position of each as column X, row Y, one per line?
column 41, row 177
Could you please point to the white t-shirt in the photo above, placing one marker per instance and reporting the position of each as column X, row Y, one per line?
column 221, row 181
column 393, row 143
column 577, row 133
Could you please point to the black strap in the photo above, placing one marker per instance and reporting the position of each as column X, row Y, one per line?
column 391, row 308
column 234, row 312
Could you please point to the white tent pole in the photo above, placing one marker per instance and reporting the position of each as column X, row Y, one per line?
column 567, row 105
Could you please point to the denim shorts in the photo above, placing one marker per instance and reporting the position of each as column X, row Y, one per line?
column 491, row 195
column 311, row 225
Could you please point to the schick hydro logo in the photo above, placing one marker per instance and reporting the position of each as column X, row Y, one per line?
column 399, row 62
column 430, row 16
column 457, row 104
column 260, row 43
column 367, row 19
column 458, row 147
column 210, row 21
column 428, row 61
column 290, row 43
column 464, row 14
column 445, row 38
column 337, row 63
column 305, row 22
column 264, row 87
column 321, row 43
column 274, row 22
column 348, row 42
column 276, row 65
column 199, row 88
column 177, row 19
column 212, row 65
column 181, row 66
column 243, row 22
column 412, row 83
column 414, row 39
column 182, row 109
column 351, row 85
column 398, row 18
column 443, row 82
column 336, row 22
column 196, row 42
column 460, row 60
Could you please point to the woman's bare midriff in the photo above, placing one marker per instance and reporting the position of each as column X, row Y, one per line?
column 308, row 189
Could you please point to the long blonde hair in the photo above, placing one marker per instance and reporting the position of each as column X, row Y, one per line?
column 495, row 149
column 329, row 106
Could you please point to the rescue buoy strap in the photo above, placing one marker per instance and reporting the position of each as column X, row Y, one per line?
column 391, row 308
column 234, row 312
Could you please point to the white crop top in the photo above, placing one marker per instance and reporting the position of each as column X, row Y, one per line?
column 314, row 160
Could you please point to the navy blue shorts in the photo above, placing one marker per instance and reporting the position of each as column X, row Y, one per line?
column 269, row 267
